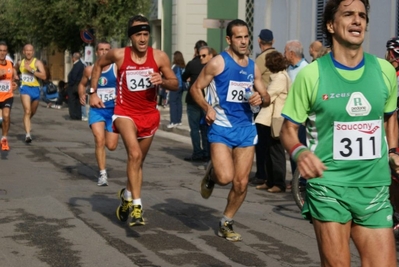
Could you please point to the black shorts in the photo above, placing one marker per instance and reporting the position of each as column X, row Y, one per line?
column 7, row 103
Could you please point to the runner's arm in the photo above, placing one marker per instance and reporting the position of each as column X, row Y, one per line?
column 260, row 87
column 309, row 165
column 41, row 73
column 169, row 80
column 391, row 130
column 83, row 84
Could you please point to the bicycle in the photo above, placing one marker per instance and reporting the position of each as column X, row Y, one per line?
column 298, row 189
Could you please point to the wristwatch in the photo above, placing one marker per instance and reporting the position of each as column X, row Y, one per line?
column 394, row 150
column 92, row 91
column 33, row 71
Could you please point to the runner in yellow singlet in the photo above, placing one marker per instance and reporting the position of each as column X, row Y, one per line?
column 31, row 69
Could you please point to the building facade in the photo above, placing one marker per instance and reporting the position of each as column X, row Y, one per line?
column 177, row 25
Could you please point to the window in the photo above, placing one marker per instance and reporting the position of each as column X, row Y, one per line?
column 319, row 21
column 397, row 18
column 249, row 18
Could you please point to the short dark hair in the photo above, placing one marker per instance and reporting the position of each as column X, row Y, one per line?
column 199, row 44
column 3, row 43
column 236, row 22
column 275, row 62
column 331, row 9
column 102, row 42
column 140, row 18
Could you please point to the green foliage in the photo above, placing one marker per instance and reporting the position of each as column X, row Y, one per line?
column 59, row 22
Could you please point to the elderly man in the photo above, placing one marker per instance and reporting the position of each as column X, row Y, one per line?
column 314, row 49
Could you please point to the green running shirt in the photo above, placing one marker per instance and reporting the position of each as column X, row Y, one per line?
column 344, row 115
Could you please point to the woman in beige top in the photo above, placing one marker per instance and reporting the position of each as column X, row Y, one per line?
column 273, row 151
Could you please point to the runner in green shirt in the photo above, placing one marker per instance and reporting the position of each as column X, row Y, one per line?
column 346, row 99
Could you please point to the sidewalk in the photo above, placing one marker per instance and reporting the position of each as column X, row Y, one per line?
column 184, row 129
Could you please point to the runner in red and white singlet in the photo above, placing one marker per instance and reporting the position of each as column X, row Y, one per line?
column 137, row 96
column 136, row 117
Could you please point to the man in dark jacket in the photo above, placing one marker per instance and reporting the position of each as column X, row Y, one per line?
column 198, row 130
column 74, row 77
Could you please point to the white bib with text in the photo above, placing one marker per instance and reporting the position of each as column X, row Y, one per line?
column 5, row 86
column 106, row 94
column 236, row 91
column 357, row 140
column 139, row 80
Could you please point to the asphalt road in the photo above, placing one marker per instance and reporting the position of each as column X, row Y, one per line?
column 52, row 213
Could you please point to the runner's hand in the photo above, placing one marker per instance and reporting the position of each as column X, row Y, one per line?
column 210, row 115
column 155, row 78
column 95, row 101
column 82, row 99
column 310, row 166
column 394, row 162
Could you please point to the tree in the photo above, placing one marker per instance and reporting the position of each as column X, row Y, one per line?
column 59, row 22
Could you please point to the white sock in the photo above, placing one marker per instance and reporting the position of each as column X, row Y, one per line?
column 137, row 201
column 225, row 219
column 127, row 195
column 103, row 171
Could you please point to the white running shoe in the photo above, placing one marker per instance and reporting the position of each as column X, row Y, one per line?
column 171, row 125
column 102, row 180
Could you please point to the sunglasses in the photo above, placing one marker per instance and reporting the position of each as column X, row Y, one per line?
column 203, row 56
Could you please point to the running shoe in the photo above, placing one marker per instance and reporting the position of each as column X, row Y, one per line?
column 226, row 231
column 207, row 184
column 102, row 180
column 122, row 212
column 28, row 138
column 4, row 144
column 137, row 216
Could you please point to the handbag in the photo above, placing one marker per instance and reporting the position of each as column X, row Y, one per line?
column 276, row 125
column 51, row 88
column 277, row 120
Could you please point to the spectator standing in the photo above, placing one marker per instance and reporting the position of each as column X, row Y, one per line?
column 314, row 49
column 293, row 52
column 265, row 41
column 31, row 70
column 74, row 77
column 273, row 150
column 195, row 115
column 175, row 97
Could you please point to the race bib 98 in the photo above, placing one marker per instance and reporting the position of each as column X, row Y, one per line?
column 357, row 140
column 236, row 91
column 139, row 80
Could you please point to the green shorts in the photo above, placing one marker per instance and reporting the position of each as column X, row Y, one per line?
column 366, row 206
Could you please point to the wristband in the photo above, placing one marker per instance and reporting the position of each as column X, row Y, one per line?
column 297, row 150
column 394, row 150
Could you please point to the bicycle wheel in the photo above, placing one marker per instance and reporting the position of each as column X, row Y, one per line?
column 298, row 189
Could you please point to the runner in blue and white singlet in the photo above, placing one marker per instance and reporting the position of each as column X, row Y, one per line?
column 232, row 133
column 100, row 118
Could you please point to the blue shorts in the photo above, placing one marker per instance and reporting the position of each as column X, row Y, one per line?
column 102, row 114
column 32, row 91
column 233, row 136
